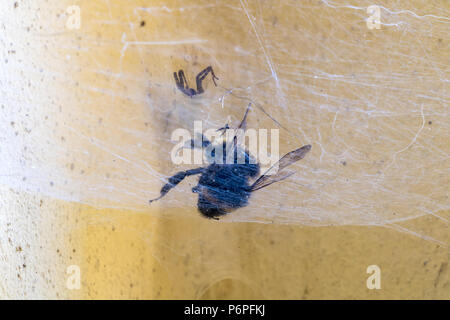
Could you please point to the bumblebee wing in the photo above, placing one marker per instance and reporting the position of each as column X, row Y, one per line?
column 289, row 158
column 267, row 180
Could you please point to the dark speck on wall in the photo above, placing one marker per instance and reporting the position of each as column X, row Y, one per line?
column 142, row 23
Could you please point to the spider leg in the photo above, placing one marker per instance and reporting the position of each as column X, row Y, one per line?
column 178, row 81
column 202, row 75
column 206, row 71
column 175, row 180
column 183, row 79
column 214, row 78
column 182, row 84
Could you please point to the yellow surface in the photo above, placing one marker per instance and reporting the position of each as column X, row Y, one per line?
column 93, row 109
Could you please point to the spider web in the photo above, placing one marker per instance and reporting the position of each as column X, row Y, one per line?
column 373, row 103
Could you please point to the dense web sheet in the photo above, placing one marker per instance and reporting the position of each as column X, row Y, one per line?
column 95, row 127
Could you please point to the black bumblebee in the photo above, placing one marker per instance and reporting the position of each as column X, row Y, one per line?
column 224, row 187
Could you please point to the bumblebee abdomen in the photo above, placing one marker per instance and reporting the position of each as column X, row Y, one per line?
column 213, row 204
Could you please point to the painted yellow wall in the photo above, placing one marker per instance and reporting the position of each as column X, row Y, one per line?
column 87, row 111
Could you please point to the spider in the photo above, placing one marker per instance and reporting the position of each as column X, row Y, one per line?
column 183, row 86
column 222, row 187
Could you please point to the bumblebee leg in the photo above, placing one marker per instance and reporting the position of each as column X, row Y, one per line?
column 175, row 180
column 242, row 125
column 192, row 144
column 223, row 129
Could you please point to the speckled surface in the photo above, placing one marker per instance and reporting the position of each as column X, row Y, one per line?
column 36, row 246
column 87, row 114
